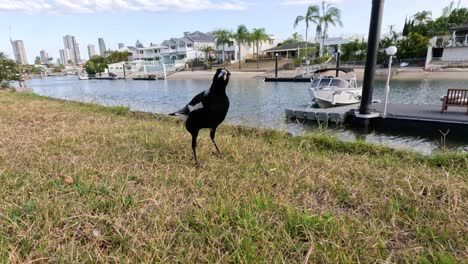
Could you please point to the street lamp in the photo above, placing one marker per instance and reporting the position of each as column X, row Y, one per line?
column 391, row 51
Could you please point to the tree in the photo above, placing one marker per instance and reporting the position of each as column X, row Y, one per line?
column 96, row 64
column 353, row 51
column 295, row 38
column 458, row 16
column 413, row 46
column 222, row 38
column 448, row 9
column 257, row 37
column 58, row 68
column 311, row 15
column 330, row 16
column 37, row 60
column 207, row 50
column 241, row 36
column 422, row 17
column 116, row 56
column 8, row 70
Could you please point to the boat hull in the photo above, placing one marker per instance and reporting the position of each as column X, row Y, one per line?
column 327, row 98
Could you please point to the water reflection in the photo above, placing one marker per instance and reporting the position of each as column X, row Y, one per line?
column 253, row 103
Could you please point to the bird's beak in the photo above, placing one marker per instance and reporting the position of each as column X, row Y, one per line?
column 222, row 74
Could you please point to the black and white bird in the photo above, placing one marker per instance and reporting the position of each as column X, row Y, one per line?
column 207, row 109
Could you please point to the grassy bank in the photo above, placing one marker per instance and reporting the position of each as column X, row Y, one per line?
column 84, row 183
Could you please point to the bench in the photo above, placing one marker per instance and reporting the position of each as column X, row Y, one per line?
column 455, row 97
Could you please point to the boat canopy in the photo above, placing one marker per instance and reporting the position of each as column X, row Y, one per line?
column 345, row 70
column 330, row 82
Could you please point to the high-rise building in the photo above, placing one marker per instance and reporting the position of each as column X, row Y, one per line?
column 69, row 43
column 44, row 57
column 66, row 56
column 102, row 47
column 19, row 51
column 121, row 45
column 91, row 51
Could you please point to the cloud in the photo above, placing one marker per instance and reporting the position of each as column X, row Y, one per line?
column 306, row 2
column 100, row 6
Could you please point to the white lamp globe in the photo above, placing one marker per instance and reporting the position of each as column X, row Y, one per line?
column 391, row 51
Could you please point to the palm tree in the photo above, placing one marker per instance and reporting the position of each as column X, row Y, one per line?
column 422, row 17
column 207, row 50
column 222, row 38
column 448, row 9
column 311, row 15
column 241, row 36
column 330, row 15
column 258, row 36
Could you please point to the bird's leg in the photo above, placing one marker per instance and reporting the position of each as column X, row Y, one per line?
column 212, row 136
column 194, row 146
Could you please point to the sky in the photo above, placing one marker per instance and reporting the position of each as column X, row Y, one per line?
column 41, row 24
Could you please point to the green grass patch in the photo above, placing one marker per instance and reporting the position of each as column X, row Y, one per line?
column 86, row 183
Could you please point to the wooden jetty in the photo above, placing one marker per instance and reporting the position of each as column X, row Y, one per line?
column 399, row 112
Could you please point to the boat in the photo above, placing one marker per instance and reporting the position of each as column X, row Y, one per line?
column 331, row 91
column 83, row 77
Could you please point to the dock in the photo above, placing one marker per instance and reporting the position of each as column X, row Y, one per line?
column 334, row 115
column 395, row 112
column 287, row 79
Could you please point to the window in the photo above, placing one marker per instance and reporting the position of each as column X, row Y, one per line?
column 172, row 47
column 189, row 45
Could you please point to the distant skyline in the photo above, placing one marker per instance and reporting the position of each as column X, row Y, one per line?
column 42, row 24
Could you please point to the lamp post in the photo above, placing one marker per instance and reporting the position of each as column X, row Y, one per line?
column 276, row 65
column 338, row 55
column 391, row 51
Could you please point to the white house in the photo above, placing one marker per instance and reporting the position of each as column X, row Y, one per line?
column 248, row 50
column 190, row 47
column 187, row 47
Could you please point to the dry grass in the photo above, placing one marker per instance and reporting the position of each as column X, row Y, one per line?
column 83, row 183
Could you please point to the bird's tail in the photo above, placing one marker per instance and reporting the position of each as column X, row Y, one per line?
column 181, row 112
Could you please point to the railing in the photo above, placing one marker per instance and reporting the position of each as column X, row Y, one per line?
column 307, row 70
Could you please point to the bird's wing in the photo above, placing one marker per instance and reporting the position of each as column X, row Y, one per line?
column 195, row 104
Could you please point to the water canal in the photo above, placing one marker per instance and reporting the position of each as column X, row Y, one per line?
column 255, row 103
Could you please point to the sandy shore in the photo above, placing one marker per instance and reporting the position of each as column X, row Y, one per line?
column 398, row 74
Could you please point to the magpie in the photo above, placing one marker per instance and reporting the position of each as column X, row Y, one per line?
column 207, row 109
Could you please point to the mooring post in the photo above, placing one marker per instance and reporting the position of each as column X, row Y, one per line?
column 371, row 60
column 338, row 55
column 276, row 65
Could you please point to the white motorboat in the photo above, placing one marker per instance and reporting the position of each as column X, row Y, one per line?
column 83, row 77
column 332, row 91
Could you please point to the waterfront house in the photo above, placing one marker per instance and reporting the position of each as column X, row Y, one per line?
column 453, row 49
column 184, row 48
column 288, row 50
column 248, row 50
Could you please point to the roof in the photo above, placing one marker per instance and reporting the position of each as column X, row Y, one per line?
column 288, row 46
column 461, row 27
column 198, row 36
